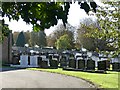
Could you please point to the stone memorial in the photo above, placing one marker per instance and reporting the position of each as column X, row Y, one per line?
column 34, row 61
column 116, row 66
column 102, row 65
column 15, row 59
column 39, row 61
column 54, row 61
column 45, row 61
column 81, row 64
column 72, row 63
column 24, row 60
column 63, row 62
column 90, row 64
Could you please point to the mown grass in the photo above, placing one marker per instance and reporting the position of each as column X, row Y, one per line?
column 109, row 80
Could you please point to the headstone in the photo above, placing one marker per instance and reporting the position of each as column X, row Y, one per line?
column 90, row 64
column 53, row 61
column 33, row 61
column 23, row 60
column 15, row 59
column 63, row 62
column 102, row 65
column 45, row 61
column 39, row 61
column 81, row 64
column 72, row 63
column 116, row 66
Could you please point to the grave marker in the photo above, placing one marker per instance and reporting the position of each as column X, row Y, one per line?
column 90, row 64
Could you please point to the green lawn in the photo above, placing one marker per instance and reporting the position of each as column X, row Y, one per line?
column 109, row 80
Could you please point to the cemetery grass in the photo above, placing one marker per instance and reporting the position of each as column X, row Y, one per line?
column 109, row 80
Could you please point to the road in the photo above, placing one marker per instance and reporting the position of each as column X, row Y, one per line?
column 22, row 78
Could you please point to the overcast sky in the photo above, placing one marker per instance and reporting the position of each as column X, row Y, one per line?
column 74, row 18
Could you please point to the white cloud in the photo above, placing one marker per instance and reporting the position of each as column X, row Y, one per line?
column 19, row 25
column 75, row 14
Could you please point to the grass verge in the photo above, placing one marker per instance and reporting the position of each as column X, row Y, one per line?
column 109, row 80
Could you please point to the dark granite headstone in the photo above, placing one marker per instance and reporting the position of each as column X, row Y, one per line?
column 116, row 66
column 90, row 64
column 72, row 63
column 102, row 65
column 63, row 62
column 54, row 63
column 39, row 61
column 81, row 64
column 44, row 64
column 15, row 59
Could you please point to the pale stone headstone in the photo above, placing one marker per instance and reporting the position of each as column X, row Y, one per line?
column 24, row 60
column 34, row 61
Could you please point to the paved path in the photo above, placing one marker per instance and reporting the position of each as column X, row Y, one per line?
column 36, row 79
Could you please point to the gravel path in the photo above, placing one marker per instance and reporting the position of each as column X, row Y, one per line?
column 37, row 79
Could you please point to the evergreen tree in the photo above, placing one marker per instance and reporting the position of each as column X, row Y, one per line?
column 20, row 40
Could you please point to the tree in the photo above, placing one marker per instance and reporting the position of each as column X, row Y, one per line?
column 108, row 17
column 41, row 14
column 27, row 36
column 42, row 39
column 33, row 38
column 5, row 30
column 15, row 35
column 38, row 38
column 89, row 38
column 21, row 40
column 64, row 42
column 107, row 36
column 60, row 31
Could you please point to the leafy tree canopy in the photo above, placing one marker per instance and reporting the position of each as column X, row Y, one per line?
column 63, row 42
column 41, row 14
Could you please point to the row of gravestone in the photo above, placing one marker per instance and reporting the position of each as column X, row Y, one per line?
column 55, row 60
column 43, row 61
column 89, row 64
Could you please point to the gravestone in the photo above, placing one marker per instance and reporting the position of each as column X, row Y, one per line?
column 44, row 64
column 33, row 60
column 45, row 61
column 39, row 61
column 15, row 59
column 90, row 64
column 103, row 65
column 63, row 62
column 53, row 61
column 23, row 60
column 72, row 63
column 116, row 66
column 81, row 64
